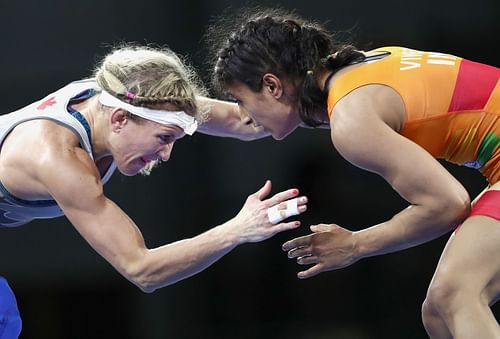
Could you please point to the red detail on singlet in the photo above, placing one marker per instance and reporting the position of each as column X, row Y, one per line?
column 49, row 102
column 474, row 85
column 488, row 204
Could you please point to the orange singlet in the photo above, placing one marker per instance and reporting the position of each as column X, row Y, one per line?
column 452, row 104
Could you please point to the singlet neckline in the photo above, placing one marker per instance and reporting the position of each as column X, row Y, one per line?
column 366, row 59
column 79, row 116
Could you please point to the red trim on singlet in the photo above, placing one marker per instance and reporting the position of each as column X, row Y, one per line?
column 473, row 87
column 488, row 205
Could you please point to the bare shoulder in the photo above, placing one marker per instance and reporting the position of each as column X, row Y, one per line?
column 365, row 127
column 66, row 163
column 366, row 122
column 39, row 155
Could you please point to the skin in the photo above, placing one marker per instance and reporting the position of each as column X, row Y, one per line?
column 229, row 120
column 438, row 202
column 108, row 229
column 271, row 107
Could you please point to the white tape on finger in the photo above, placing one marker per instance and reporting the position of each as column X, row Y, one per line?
column 276, row 215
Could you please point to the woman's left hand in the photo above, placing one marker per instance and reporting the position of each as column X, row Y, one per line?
column 330, row 247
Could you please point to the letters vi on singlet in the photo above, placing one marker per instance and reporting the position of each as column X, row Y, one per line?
column 411, row 59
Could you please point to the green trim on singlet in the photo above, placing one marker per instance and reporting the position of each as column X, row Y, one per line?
column 487, row 147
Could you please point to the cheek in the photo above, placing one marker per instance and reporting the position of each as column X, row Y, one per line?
column 267, row 112
column 129, row 147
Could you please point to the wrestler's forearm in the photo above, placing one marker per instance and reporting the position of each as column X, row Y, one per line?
column 168, row 264
column 224, row 119
column 411, row 227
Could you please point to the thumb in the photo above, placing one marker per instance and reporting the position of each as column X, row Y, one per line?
column 320, row 228
column 265, row 190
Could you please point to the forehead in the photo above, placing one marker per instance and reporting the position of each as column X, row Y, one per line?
column 163, row 128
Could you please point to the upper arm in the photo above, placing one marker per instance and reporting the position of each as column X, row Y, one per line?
column 78, row 190
column 227, row 119
column 363, row 131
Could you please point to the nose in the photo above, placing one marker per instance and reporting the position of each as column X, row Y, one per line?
column 244, row 116
column 164, row 153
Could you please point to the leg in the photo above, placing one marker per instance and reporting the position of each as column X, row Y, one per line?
column 433, row 323
column 466, row 283
column 10, row 321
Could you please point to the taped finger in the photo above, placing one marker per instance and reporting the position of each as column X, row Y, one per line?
column 276, row 215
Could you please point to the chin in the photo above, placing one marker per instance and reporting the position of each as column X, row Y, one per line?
column 129, row 171
column 278, row 137
column 281, row 134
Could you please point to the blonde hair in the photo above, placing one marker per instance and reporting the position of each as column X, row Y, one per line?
column 147, row 76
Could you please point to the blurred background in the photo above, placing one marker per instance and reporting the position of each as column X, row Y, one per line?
column 65, row 290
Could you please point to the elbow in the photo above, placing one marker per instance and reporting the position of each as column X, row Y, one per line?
column 456, row 209
column 462, row 207
column 146, row 288
column 143, row 283
column 139, row 275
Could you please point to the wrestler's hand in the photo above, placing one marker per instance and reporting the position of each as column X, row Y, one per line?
column 252, row 223
column 330, row 247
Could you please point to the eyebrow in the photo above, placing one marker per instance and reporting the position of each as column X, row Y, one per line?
column 172, row 130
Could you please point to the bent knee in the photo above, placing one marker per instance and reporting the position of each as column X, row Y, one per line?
column 429, row 311
column 448, row 295
column 441, row 295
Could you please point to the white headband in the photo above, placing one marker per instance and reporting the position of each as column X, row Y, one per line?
column 178, row 118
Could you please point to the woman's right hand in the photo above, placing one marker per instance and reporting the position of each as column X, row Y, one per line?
column 252, row 224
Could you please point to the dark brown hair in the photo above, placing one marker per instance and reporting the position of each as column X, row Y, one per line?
column 277, row 41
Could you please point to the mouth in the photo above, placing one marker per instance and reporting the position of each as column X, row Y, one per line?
column 147, row 160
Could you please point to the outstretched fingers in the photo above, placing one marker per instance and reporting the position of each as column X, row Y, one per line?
column 285, row 226
column 311, row 272
column 261, row 219
column 286, row 209
column 300, row 248
column 298, row 252
column 282, row 205
column 282, row 196
column 303, row 241
column 307, row 260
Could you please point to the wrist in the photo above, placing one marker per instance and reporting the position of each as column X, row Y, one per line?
column 360, row 249
column 228, row 235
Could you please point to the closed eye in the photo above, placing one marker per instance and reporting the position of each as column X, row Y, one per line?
column 166, row 138
column 235, row 100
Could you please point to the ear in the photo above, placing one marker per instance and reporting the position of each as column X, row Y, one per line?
column 119, row 118
column 273, row 85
